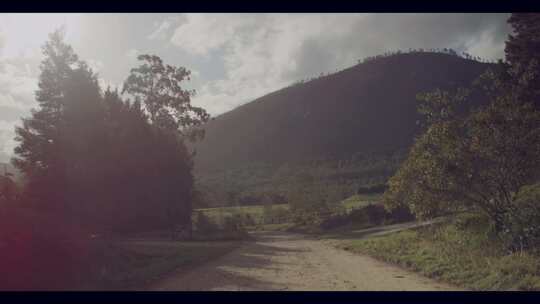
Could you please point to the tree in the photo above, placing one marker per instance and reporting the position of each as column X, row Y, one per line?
column 48, row 135
column 477, row 162
column 523, row 50
column 149, row 181
column 158, row 90
column 101, row 161
column 482, row 160
column 158, row 87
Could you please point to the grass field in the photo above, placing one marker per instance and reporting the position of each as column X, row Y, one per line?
column 358, row 201
column 257, row 211
column 450, row 253
column 131, row 265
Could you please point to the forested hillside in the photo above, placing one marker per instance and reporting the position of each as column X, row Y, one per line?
column 370, row 107
column 341, row 131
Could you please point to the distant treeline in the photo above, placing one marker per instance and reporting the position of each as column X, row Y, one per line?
column 448, row 51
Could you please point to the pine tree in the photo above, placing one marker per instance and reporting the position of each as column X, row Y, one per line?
column 39, row 155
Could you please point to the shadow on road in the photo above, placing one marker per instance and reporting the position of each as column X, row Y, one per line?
column 237, row 270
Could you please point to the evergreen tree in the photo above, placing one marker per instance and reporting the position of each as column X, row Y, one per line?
column 40, row 154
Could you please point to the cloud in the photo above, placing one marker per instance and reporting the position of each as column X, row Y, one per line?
column 164, row 27
column 17, row 86
column 7, row 144
column 201, row 33
column 234, row 58
column 264, row 52
column 18, row 82
column 132, row 54
column 95, row 65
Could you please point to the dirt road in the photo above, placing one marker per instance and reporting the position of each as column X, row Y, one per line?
column 285, row 261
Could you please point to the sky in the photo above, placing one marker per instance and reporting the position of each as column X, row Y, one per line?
column 234, row 58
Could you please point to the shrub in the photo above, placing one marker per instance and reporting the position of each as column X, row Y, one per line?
column 400, row 214
column 248, row 220
column 523, row 222
column 233, row 223
column 375, row 213
column 336, row 221
column 203, row 225
column 276, row 214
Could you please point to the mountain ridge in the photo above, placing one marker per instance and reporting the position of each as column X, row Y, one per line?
column 368, row 107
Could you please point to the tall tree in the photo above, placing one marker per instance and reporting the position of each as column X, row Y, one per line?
column 523, row 52
column 159, row 88
column 476, row 162
column 39, row 154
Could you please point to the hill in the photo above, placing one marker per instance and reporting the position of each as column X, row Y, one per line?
column 331, row 135
column 370, row 107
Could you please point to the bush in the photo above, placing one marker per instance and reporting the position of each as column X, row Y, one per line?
column 336, row 221
column 375, row 213
column 276, row 214
column 523, row 223
column 248, row 220
column 204, row 225
column 233, row 223
column 400, row 214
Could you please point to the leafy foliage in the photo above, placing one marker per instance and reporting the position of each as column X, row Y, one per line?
column 158, row 87
column 523, row 231
column 481, row 160
column 110, row 165
column 476, row 162
column 523, row 51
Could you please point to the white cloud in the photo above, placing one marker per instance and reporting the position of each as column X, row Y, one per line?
column 234, row 58
column 18, row 82
column 132, row 54
column 7, row 144
column 202, row 33
column 260, row 53
column 163, row 28
column 95, row 65
column 264, row 52
column 161, row 31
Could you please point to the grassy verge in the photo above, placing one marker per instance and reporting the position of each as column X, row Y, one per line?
column 456, row 253
column 256, row 212
column 133, row 264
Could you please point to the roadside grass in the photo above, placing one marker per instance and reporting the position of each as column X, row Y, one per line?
column 128, row 265
column 460, row 252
